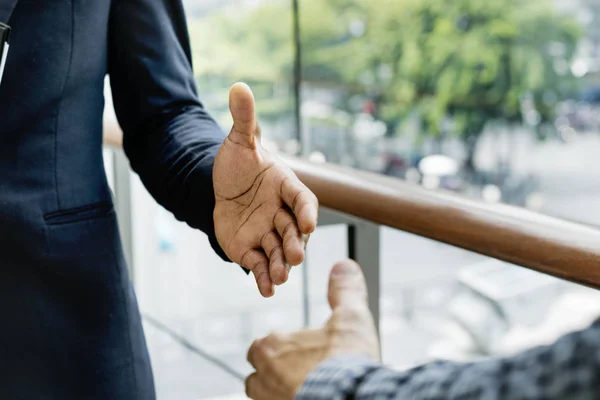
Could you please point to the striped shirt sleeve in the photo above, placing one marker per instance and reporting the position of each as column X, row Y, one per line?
column 567, row 370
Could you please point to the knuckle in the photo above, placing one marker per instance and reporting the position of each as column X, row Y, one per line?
column 290, row 228
column 259, row 268
column 243, row 260
column 249, row 384
column 296, row 200
column 308, row 201
column 259, row 347
column 259, row 274
column 273, row 338
column 284, row 184
column 279, row 214
column 276, row 253
column 344, row 315
column 251, row 353
column 264, row 240
column 255, row 344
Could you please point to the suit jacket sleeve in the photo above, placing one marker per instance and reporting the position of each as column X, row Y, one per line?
column 169, row 138
column 567, row 370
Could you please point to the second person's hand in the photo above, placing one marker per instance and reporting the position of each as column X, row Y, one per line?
column 283, row 361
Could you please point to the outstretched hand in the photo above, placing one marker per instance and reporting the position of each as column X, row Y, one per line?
column 263, row 213
column 283, row 361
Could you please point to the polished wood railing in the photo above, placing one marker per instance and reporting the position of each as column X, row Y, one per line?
column 560, row 248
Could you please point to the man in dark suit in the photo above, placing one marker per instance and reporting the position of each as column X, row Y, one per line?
column 70, row 324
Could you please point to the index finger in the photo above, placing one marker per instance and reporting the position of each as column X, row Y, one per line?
column 302, row 202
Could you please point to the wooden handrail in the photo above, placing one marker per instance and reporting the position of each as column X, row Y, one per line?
column 556, row 247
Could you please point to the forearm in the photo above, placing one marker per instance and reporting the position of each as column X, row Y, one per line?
column 173, row 153
column 356, row 377
column 568, row 369
column 170, row 139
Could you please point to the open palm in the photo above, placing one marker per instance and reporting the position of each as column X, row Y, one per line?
column 263, row 213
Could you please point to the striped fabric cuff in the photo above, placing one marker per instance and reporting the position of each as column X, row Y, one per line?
column 337, row 378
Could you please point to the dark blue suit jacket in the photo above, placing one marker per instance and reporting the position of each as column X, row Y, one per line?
column 70, row 324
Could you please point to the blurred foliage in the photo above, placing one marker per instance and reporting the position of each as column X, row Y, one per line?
column 463, row 63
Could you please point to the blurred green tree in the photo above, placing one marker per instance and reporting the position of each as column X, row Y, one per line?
column 461, row 64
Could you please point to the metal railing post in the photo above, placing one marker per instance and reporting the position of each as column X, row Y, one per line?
column 305, row 293
column 364, row 248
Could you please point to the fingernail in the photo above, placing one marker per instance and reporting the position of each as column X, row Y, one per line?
column 344, row 268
